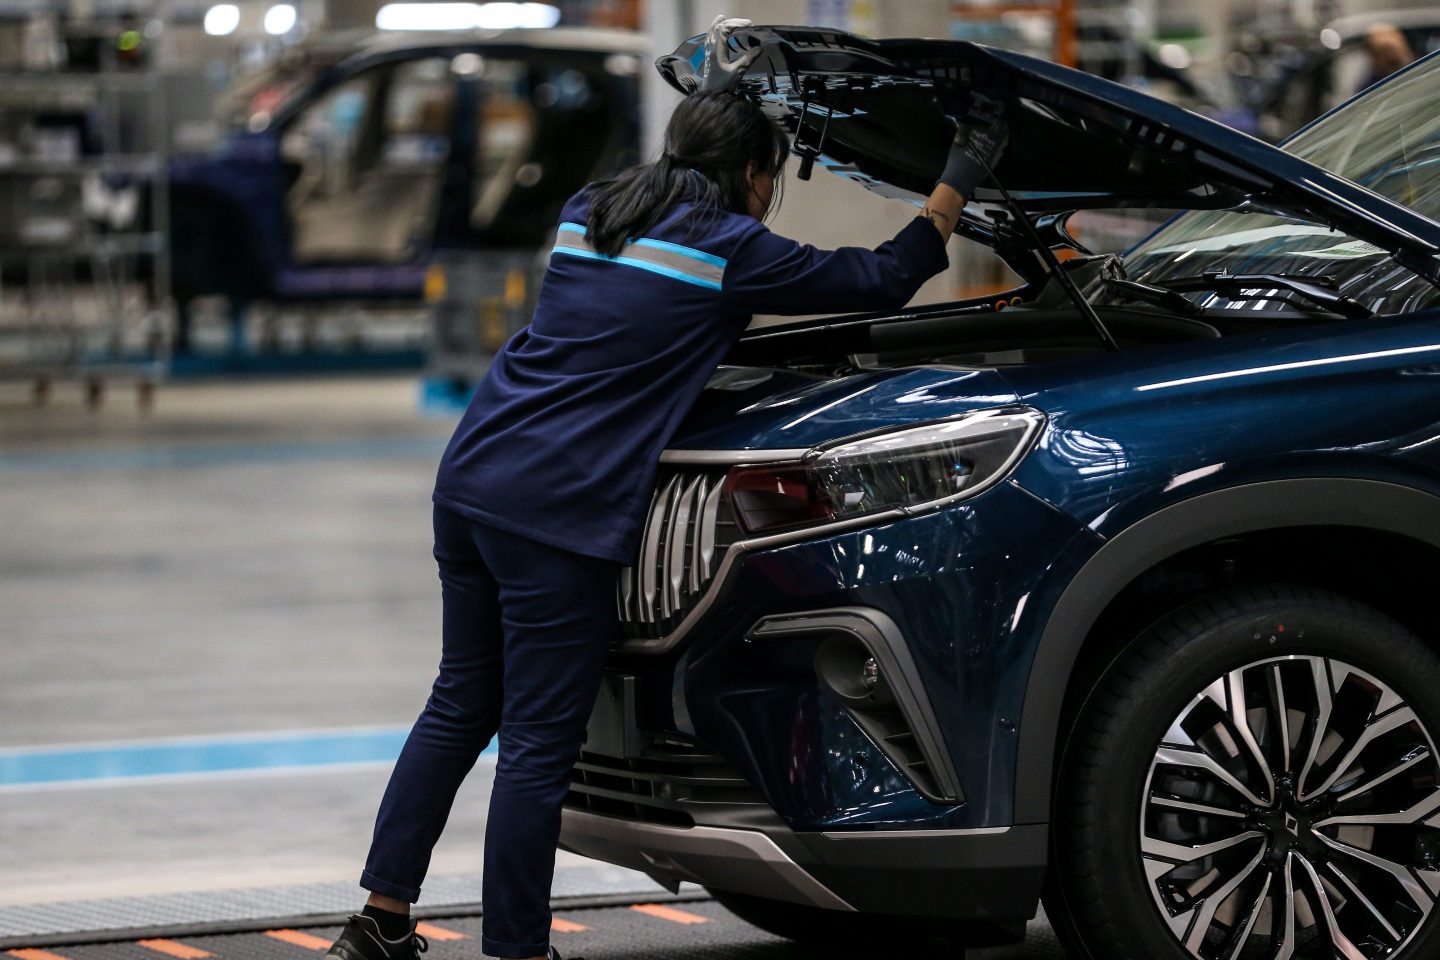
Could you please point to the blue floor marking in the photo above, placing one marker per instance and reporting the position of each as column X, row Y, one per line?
column 227, row 454
column 27, row 766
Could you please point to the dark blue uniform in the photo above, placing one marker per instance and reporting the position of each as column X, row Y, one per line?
column 541, row 498
column 562, row 439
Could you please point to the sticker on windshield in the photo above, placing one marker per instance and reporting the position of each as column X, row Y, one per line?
column 1342, row 251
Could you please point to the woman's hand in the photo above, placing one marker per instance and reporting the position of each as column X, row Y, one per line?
column 724, row 68
column 972, row 156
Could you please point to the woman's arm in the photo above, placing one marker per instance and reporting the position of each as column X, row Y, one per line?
column 943, row 209
column 771, row 274
column 768, row 273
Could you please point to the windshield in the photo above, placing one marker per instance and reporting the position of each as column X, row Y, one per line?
column 1388, row 141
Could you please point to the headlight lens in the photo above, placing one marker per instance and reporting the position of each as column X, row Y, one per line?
column 917, row 467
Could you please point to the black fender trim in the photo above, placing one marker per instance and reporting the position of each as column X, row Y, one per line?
column 1268, row 505
column 882, row 637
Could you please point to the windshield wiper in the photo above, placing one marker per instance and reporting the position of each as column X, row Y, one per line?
column 1308, row 288
column 1112, row 275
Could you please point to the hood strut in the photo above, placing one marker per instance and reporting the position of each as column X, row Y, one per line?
column 1052, row 263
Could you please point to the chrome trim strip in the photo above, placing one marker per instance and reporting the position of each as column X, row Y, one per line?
column 705, row 543
column 650, row 550
column 702, row 499
column 915, row 834
column 666, row 548
column 718, row 845
column 675, row 556
column 731, row 458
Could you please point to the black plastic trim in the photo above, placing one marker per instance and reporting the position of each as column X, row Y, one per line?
column 886, row 643
column 992, row 875
column 1269, row 505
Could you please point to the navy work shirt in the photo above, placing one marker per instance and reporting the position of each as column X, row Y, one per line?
column 563, row 437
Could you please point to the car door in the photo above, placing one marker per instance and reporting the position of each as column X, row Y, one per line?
column 365, row 166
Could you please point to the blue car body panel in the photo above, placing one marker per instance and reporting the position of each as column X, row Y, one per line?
column 788, row 411
column 1131, row 433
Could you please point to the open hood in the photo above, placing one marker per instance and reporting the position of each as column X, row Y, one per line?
column 883, row 112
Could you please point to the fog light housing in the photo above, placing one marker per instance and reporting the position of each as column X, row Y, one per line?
column 869, row 674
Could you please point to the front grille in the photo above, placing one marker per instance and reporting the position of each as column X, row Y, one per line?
column 674, row 777
column 688, row 530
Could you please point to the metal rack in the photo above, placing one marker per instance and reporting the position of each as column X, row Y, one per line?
column 84, row 266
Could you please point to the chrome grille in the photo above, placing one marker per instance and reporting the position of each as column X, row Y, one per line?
column 687, row 532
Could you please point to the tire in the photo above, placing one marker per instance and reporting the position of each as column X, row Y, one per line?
column 1160, row 729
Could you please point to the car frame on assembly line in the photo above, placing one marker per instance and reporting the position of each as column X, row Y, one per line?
column 343, row 176
column 1116, row 589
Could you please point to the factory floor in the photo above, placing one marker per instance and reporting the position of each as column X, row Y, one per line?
column 246, row 567
column 219, row 619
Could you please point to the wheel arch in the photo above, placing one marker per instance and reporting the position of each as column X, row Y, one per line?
column 1367, row 506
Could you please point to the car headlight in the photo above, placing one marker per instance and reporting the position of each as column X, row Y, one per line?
column 915, row 468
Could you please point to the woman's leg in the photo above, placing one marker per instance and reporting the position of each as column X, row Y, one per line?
column 459, row 719
column 558, row 612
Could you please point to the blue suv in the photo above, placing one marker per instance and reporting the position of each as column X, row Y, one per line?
column 1118, row 589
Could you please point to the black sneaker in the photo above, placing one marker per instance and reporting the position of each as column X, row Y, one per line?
column 361, row 940
column 555, row 955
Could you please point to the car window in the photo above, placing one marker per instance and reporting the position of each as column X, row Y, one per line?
column 1388, row 141
column 529, row 117
column 365, row 163
column 505, row 136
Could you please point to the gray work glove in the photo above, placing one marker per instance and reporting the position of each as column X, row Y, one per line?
column 723, row 67
column 974, row 153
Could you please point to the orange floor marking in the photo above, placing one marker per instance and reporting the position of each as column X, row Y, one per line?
column 438, row 933
column 306, row 940
column 668, row 913
column 556, row 924
column 29, row 953
column 175, row 949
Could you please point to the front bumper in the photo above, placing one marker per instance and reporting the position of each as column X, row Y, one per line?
column 970, row 875
column 749, row 771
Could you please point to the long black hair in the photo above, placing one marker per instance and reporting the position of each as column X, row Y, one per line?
column 709, row 143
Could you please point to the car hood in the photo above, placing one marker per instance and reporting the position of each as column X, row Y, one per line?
column 882, row 112
column 756, row 408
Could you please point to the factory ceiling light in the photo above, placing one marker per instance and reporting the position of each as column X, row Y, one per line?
column 222, row 19
column 280, row 19
column 466, row 16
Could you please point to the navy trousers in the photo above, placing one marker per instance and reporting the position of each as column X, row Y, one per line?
column 525, row 630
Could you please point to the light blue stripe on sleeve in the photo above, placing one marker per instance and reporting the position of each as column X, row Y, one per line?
column 642, row 264
column 701, row 255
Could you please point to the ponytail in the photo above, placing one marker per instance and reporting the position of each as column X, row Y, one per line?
column 710, row 142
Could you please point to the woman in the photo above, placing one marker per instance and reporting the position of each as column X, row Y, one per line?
column 541, row 495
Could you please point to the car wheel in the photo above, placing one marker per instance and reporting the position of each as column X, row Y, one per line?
column 1255, row 778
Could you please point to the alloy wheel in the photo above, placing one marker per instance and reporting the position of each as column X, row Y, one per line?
column 1292, row 812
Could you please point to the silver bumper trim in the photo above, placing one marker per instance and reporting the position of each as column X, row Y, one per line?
column 740, row 860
